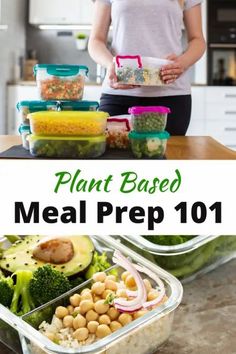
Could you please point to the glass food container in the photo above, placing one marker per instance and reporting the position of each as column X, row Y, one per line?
column 118, row 128
column 24, row 131
column 155, row 326
column 68, row 123
column 60, row 82
column 137, row 70
column 78, row 105
column 186, row 260
column 149, row 119
column 67, row 147
column 148, row 145
column 26, row 107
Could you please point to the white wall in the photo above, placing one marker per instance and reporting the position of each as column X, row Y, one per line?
column 12, row 42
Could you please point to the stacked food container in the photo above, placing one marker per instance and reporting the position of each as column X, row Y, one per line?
column 148, row 137
column 62, row 125
column 118, row 128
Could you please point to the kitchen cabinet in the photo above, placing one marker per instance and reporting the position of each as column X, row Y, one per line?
column 60, row 12
column 21, row 92
column 198, row 121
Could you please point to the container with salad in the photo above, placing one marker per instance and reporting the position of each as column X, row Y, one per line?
column 148, row 145
column 125, row 298
column 186, row 257
column 60, row 82
column 67, row 147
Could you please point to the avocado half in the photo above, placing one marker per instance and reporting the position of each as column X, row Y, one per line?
column 20, row 255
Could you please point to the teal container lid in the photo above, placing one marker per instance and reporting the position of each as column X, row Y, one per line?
column 139, row 136
column 78, row 105
column 62, row 70
column 33, row 106
column 23, row 128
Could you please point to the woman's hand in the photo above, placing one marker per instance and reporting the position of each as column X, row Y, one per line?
column 113, row 80
column 171, row 72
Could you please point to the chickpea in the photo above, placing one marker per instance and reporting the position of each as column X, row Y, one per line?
column 79, row 322
column 68, row 321
column 85, row 306
column 86, row 290
column 61, row 312
column 104, row 319
column 110, row 284
column 100, row 276
column 152, row 295
column 113, row 313
column 111, row 277
column 102, row 331
column 96, row 298
column 91, row 315
column 100, row 307
column 139, row 314
column 114, row 326
column 125, row 319
column 122, row 293
column 70, row 309
column 87, row 296
column 81, row 334
column 92, row 326
column 98, row 288
column 106, row 293
column 124, row 275
column 130, row 282
column 147, row 284
column 75, row 300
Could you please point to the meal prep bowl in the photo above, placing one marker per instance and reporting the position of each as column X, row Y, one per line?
column 137, row 70
column 68, row 123
column 26, row 107
column 78, row 105
column 60, row 82
column 67, row 147
column 149, row 119
column 118, row 128
column 154, row 327
column 187, row 260
column 24, row 131
column 149, row 145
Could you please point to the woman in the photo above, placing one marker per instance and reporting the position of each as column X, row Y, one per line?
column 150, row 28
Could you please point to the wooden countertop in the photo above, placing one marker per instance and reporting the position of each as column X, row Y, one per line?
column 179, row 148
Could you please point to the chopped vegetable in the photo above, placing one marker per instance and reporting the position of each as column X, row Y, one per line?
column 99, row 264
column 149, row 122
column 6, row 290
column 46, row 284
column 58, row 88
column 22, row 302
column 150, row 147
column 139, row 76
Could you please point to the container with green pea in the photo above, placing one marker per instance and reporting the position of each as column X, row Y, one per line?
column 149, row 119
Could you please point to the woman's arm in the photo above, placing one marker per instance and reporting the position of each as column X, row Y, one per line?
column 97, row 45
column 195, row 50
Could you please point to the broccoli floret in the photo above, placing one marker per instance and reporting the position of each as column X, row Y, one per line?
column 76, row 281
column 6, row 290
column 47, row 284
column 99, row 264
column 22, row 302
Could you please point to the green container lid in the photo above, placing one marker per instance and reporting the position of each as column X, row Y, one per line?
column 62, row 70
column 79, row 105
column 35, row 106
column 23, row 128
column 139, row 136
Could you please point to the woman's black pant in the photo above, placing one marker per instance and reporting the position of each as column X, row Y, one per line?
column 180, row 106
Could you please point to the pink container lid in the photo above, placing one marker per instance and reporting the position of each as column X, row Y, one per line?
column 156, row 109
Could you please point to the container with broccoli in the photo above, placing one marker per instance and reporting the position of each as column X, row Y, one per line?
column 184, row 256
column 67, row 147
column 149, row 119
column 149, row 145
